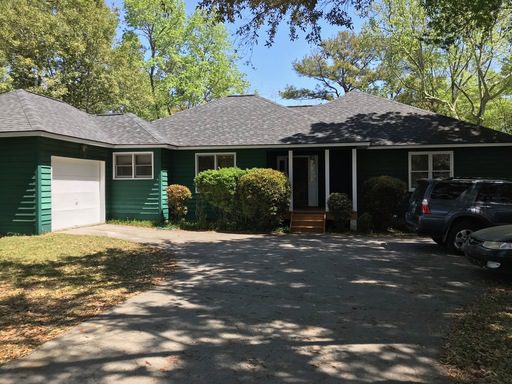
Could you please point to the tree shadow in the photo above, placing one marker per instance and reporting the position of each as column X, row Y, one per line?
column 40, row 299
column 395, row 128
column 288, row 309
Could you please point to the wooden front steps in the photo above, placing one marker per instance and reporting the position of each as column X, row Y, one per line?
column 307, row 222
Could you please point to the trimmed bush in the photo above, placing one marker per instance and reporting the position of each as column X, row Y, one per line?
column 264, row 197
column 178, row 196
column 340, row 206
column 365, row 223
column 219, row 188
column 384, row 198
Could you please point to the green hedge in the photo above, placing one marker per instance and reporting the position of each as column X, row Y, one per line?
column 256, row 198
column 384, row 198
column 264, row 197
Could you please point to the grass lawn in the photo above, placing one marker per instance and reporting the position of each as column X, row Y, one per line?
column 479, row 348
column 51, row 282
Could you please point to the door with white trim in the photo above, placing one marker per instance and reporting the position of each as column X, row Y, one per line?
column 78, row 192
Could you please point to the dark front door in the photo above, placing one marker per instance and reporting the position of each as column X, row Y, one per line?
column 300, row 182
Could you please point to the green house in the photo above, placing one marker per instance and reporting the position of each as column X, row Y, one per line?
column 61, row 167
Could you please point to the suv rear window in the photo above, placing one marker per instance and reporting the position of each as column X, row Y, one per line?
column 500, row 193
column 446, row 190
column 419, row 191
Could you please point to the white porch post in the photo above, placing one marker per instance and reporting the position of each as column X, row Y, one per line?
column 327, row 178
column 353, row 221
column 290, row 176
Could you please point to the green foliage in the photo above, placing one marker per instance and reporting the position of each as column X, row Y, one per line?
column 165, row 62
column 365, row 223
column 190, row 59
column 177, row 197
column 384, row 198
column 219, row 188
column 340, row 206
column 264, row 197
column 462, row 79
column 61, row 48
column 299, row 15
column 339, row 65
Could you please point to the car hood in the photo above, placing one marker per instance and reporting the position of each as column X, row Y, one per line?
column 500, row 233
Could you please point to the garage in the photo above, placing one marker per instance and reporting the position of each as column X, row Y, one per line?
column 78, row 192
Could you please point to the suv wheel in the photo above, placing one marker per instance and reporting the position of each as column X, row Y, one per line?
column 459, row 233
column 438, row 240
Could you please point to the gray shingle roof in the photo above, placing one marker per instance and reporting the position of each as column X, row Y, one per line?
column 359, row 116
column 232, row 120
column 249, row 120
column 22, row 111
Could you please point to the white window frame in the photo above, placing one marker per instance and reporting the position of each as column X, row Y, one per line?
column 114, row 166
column 430, row 164
column 214, row 154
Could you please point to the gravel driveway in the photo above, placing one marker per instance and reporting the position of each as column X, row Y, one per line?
column 267, row 309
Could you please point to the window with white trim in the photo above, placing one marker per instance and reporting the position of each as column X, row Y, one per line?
column 431, row 165
column 136, row 165
column 206, row 161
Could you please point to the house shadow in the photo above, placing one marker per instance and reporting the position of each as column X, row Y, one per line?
column 290, row 309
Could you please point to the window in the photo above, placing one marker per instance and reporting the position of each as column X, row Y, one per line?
column 430, row 165
column 282, row 164
column 446, row 190
column 206, row 161
column 498, row 193
column 138, row 165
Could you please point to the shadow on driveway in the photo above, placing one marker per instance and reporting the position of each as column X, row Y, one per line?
column 290, row 309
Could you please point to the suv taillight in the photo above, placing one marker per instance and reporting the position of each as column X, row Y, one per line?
column 425, row 208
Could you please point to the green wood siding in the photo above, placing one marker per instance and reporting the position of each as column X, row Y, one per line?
column 46, row 149
column 138, row 199
column 164, row 182
column 124, row 199
column 182, row 167
column 18, row 198
column 468, row 162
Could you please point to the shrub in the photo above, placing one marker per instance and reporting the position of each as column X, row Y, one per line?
column 178, row 196
column 219, row 188
column 384, row 197
column 365, row 223
column 340, row 206
column 264, row 197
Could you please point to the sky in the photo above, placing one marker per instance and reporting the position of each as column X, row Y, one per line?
column 269, row 69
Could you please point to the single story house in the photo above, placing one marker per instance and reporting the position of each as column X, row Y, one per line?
column 61, row 167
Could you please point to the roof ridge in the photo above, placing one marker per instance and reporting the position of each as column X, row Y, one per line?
column 286, row 108
column 22, row 104
column 135, row 118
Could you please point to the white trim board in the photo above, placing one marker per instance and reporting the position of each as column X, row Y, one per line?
column 440, row 146
column 365, row 144
column 114, row 177
column 430, row 169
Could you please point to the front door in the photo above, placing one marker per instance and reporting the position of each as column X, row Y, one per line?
column 305, row 181
column 300, row 182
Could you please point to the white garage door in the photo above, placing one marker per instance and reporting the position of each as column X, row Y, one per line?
column 78, row 192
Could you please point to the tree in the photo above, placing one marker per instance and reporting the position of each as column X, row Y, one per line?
column 190, row 59
column 133, row 91
column 60, row 48
column 454, row 19
column 460, row 79
column 347, row 62
column 448, row 17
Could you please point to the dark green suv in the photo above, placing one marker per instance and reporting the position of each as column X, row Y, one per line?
column 448, row 210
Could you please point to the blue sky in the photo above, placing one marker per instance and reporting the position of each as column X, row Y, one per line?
column 270, row 68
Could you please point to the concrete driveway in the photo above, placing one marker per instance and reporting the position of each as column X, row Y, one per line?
column 266, row 309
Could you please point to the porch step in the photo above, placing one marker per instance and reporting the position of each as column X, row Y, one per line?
column 310, row 222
